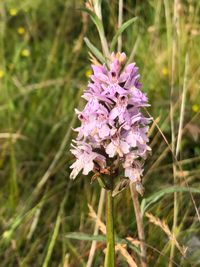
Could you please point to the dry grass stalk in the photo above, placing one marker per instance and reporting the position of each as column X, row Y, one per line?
column 153, row 126
column 133, row 241
column 140, row 226
column 12, row 136
column 66, row 261
column 162, row 224
column 122, row 249
column 120, row 20
column 94, row 216
column 182, row 111
column 173, row 66
column 79, row 41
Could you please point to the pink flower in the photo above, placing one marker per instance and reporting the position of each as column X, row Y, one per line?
column 133, row 168
column 133, row 174
column 112, row 123
column 119, row 147
column 85, row 159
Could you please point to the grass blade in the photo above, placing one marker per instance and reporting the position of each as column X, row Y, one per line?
column 95, row 19
column 99, row 238
column 146, row 203
column 98, row 22
column 54, row 234
column 124, row 26
column 95, row 51
column 85, row 237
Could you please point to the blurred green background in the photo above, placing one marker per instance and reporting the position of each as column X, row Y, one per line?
column 44, row 68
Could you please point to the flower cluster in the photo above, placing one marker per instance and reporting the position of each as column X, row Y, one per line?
column 112, row 124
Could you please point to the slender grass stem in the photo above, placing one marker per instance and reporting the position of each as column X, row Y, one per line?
column 110, row 251
column 120, row 19
column 103, row 39
column 140, row 226
column 173, row 67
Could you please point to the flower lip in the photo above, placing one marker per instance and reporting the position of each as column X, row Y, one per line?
column 113, row 73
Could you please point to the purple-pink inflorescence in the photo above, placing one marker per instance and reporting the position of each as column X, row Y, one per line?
column 112, row 124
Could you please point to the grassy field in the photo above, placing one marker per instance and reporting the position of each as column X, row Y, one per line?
column 44, row 68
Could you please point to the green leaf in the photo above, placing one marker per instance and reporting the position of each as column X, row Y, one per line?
column 100, row 238
column 99, row 25
column 52, row 241
column 85, row 237
column 120, row 31
column 146, row 203
column 54, row 234
column 95, row 51
column 95, row 19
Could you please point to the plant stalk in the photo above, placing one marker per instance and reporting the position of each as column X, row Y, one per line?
column 173, row 67
column 120, row 20
column 104, row 43
column 110, row 250
column 140, row 226
column 96, row 229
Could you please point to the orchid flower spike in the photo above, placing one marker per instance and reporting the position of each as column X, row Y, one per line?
column 113, row 127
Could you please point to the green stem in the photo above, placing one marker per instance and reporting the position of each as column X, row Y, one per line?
column 110, row 251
